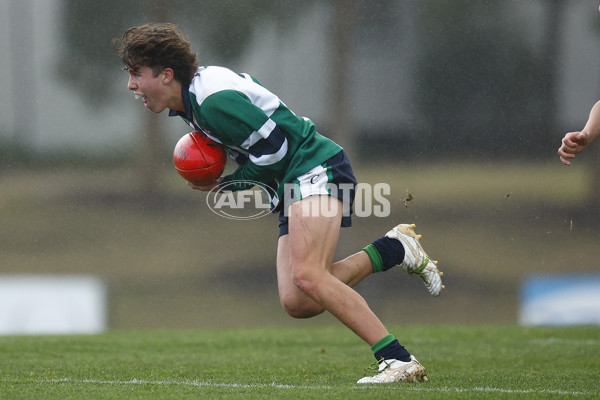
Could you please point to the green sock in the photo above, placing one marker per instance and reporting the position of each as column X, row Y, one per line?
column 382, row 343
column 375, row 258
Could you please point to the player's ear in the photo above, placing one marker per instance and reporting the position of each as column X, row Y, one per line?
column 167, row 75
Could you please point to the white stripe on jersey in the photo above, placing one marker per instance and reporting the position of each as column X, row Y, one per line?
column 216, row 79
column 268, row 159
column 262, row 133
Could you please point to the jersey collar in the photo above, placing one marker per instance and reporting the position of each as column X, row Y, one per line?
column 187, row 104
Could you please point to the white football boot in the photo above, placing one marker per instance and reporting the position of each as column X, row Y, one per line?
column 416, row 262
column 397, row 371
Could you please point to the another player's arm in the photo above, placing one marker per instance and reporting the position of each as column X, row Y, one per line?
column 240, row 123
column 573, row 143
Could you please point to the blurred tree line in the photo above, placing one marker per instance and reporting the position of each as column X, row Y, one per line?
column 484, row 88
column 487, row 90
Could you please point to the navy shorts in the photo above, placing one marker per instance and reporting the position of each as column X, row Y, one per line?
column 334, row 178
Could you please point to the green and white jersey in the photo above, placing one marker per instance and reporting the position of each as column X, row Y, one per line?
column 269, row 141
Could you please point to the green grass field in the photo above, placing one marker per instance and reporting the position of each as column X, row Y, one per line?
column 463, row 362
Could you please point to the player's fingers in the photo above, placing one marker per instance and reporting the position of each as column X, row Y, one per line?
column 564, row 150
column 195, row 187
column 566, row 162
column 573, row 139
column 204, row 188
column 566, row 153
column 568, row 141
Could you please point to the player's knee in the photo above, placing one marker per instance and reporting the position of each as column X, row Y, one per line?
column 306, row 282
column 302, row 312
column 300, row 309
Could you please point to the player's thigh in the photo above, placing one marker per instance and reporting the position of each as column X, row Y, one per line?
column 314, row 229
column 294, row 301
column 285, row 280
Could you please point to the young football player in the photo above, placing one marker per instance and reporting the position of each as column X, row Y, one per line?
column 272, row 144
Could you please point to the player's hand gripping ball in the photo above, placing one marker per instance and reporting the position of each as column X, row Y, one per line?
column 199, row 159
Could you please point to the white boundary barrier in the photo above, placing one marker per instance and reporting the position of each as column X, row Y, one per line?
column 41, row 304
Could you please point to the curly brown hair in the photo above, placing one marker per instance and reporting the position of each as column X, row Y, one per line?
column 157, row 46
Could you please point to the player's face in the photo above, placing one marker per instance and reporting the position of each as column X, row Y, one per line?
column 150, row 89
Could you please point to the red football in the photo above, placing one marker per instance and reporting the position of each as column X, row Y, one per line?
column 199, row 159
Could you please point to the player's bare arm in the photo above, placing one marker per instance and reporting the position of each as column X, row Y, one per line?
column 574, row 143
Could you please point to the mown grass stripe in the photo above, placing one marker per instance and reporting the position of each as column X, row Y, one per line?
column 210, row 384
